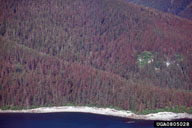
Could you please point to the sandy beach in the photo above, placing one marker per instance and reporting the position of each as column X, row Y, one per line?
column 104, row 111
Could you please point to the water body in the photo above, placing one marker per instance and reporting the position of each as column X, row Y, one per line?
column 69, row 120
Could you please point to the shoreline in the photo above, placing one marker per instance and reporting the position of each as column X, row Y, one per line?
column 104, row 111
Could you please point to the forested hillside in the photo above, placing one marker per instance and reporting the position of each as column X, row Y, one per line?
column 29, row 79
column 106, row 53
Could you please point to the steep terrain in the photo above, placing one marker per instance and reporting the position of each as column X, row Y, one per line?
column 29, row 78
column 102, row 53
column 177, row 7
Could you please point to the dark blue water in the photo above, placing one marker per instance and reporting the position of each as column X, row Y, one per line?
column 69, row 120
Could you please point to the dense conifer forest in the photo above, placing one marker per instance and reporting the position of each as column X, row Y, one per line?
column 93, row 52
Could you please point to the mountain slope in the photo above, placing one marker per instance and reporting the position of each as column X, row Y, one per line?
column 29, row 78
column 108, row 35
column 103, row 43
